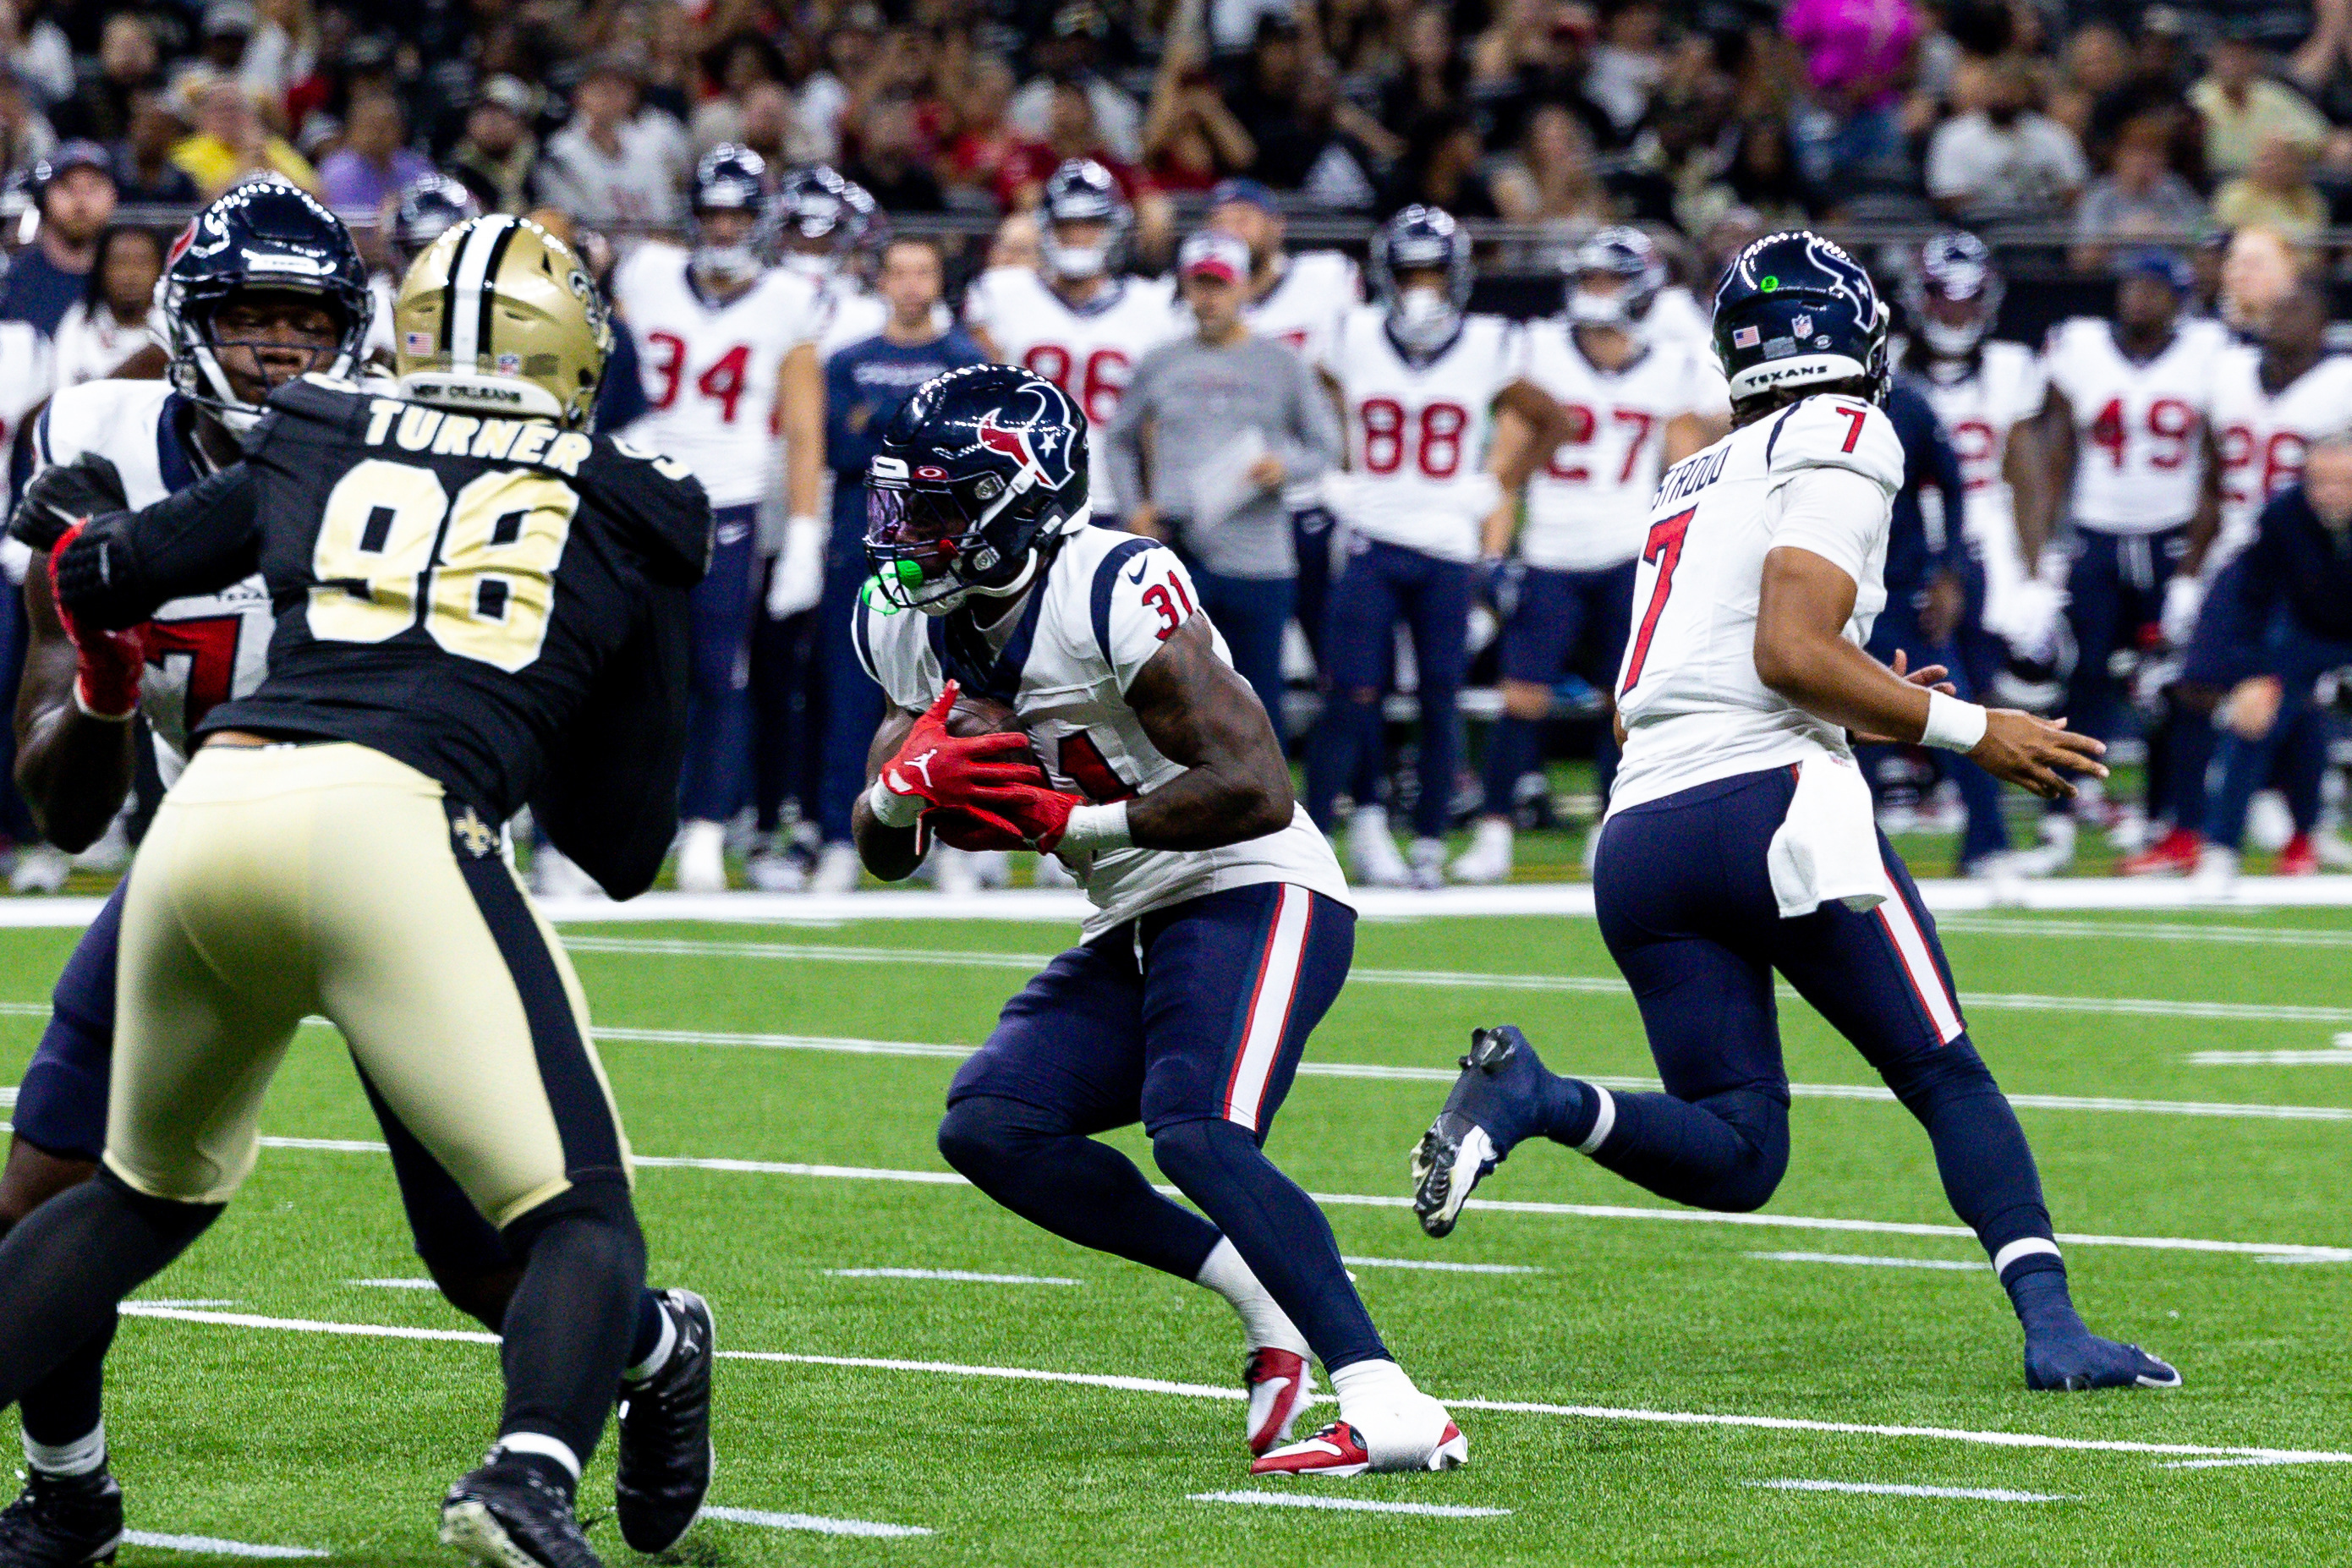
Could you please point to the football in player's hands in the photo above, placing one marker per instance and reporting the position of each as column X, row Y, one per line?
column 64, row 494
column 972, row 827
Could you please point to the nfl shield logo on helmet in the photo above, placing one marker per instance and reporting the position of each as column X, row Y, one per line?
column 1800, row 326
column 510, row 364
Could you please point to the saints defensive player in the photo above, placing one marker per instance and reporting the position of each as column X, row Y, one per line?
column 479, row 605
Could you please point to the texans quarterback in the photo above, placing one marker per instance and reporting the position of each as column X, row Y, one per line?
column 1082, row 325
column 1740, row 840
column 1222, row 929
column 729, row 359
column 264, row 287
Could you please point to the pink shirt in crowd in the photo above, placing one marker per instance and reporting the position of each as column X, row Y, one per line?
column 1849, row 40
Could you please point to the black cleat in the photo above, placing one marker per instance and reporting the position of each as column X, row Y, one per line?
column 1492, row 1107
column 62, row 1522
column 511, row 1514
column 665, row 1447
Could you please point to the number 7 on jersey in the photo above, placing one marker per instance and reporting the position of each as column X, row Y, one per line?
column 1663, row 551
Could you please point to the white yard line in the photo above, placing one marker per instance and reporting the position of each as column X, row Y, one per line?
column 1893, row 1488
column 954, row 1276
column 2280, row 1251
column 817, row 1522
column 2034, row 930
column 1223, row 1391
column 1350, row 1504
column 2335, row 1057
column 1863, row 1260
column 404, row 1283
column 1437, row 1267
column 215, row 1546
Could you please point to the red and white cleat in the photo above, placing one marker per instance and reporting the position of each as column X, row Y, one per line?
column 1279, row 1384
column 2300, row 857
column 2174, row 855
column 1340, row 1451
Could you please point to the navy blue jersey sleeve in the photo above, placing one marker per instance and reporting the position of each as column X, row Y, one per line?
column 621, row 397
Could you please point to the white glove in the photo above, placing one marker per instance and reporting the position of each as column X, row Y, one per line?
column 2183, row 597
column 1481, row 494
column 798, row 581
column 2028, row 616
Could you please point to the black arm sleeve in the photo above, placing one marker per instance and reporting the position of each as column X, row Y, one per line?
column 198, row 540
column 610, row 797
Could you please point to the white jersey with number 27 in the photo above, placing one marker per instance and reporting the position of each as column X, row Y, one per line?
column 1694, row 709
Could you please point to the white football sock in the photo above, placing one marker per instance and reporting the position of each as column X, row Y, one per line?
column 660, row 1357
column 540, row 1444
column 82, row 1456
column 1265, row 1324
column 1370, row 1392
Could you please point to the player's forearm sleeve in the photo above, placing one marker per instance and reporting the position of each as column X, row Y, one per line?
column 198, row 540
column 1835, row 513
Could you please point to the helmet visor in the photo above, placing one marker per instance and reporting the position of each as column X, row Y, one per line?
column 914, row 538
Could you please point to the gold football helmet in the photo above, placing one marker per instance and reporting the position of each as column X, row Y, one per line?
column 499, row 317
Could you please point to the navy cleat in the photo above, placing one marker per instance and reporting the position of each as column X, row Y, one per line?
column 514, row 1512
column 665, row 1442
column 62, row 1522
column 1499, row 1100
column 2073, row 1363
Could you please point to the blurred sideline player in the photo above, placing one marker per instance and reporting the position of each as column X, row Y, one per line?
column 729, row 352
column 2131, row 457
column 1425, row 389
column 236, row 332
column 865, row 384
column 474, row 609
column 1635, row 404
column 419, row 213
column 1222, row 932
column 1740, row 841
column 1081, row 325
column 1984, row 393
column 2270, row 403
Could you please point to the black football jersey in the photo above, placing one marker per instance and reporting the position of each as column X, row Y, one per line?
column 464, row 593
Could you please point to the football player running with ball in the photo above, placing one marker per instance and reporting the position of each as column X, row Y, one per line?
column 1222, row 932
column 1740, row 840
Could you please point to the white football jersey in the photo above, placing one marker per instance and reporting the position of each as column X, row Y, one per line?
column 1586, row 507
column 383, row 287
column 1694, row 709
column 2263, row 435
column 1307, row 302
column 710, row 370
column 202, row 650
column 1417, row 434
column 1678, row 316
column 1104, row 607
column 1089, row 350
column 2139, row 459
column 27, row 371
column 1979, row 402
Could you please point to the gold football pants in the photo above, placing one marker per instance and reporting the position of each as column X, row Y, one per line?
column 284, row 880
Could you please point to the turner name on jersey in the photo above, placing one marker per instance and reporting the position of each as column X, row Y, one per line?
column 710, row 369
column 1694, row 709
column 2139, row 455
column 1103, row 607
column 1586, row 506
column 1417, row 433
column 202, row 650
column 1088, row 350
column 2263, row 435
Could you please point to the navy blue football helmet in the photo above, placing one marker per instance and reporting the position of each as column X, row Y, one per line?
column 264, row 234
column 728, row 178
column 1422, row 238
column 1794, row 313
column 429, row 206
column 1083, row 191
column 810, row 221
column 1953, row 294
column 1631, row 258
column 979, row 474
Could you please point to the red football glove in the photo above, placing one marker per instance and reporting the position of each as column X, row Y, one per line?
column 935, row 766
column 1039, row 815
column 109, row 663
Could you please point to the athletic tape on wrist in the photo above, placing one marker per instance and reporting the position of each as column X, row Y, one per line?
column 1953, row 725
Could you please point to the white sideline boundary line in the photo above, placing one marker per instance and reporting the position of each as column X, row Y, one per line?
column 1949, row 1265
column 214, row 1545
column 1351, row 1504
column 817, row 1522
column 2298, row 1252
column 952, row 1276
column 1893, row 1488
column 1212, row 1391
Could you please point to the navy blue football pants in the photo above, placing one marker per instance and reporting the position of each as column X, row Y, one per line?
column 713, row 785
column 1379, row 588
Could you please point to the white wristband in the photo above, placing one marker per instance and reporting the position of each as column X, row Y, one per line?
column 1097, row 827
column 82, row 705
column 1952, row 725
column 892, row 809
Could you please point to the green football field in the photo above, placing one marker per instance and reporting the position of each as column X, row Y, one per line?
column 916, row 1377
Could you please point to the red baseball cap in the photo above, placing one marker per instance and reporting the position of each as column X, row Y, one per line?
column 1213, row 253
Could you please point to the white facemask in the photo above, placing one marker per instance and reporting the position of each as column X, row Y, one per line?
column 1948, row 341
column 1591, row 309
column 1077, row 260
column 726, row 263
column 1423, row 318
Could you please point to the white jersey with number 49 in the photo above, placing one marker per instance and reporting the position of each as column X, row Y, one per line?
column 2263, row 434
column 1418, row 430
column 1088, row 350
column 1694, row 707
column 1586, row 507
column 710, row 369
column 2140, row 457
column 1105, row 605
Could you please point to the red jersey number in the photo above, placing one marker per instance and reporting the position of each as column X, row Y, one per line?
column 1663, row 551
column 1394, row 436
column 208, row 643
column 722, row 382
column 1098, row 385
column 2170, row 423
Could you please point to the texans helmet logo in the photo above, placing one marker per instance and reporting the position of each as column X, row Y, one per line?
column 1039, row 446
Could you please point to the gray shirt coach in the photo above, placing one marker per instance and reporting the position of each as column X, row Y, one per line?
column 1194, row 400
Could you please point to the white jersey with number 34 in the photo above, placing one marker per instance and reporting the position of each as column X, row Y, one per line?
column 2139, row 456
column 1694, row 709
column 1107, row 604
